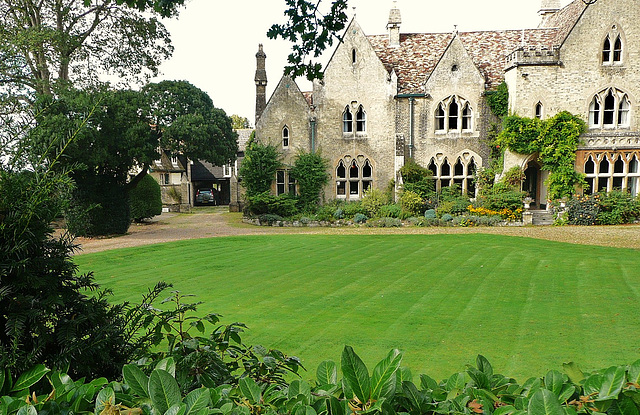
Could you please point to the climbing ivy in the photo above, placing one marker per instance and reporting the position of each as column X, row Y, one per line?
column 555, row 140
column 498, row 100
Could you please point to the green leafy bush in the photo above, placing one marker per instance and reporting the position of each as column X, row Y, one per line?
column 411, row 204
column 501, row 196
column 452, row 201
column 259, row 167
column 384, row 223
column 350, row 209
column 310, row 172
column 617, row 207
column 582, row 210
column 387, row 389
column 446, row 217
column 360, row 218
column 145, row 200
column 430, row 214
column 338, row 213
column 390, row 211
column 372, row 201
column 99, row 206
column 265, row 203
column 269, row 218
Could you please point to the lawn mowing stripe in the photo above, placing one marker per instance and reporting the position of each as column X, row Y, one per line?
column 311, row 294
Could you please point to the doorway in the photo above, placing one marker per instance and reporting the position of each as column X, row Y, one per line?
column 530, row 185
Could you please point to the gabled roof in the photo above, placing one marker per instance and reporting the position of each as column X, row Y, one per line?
column 418, row 53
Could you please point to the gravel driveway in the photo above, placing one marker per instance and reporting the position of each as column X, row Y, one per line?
column 214, row 222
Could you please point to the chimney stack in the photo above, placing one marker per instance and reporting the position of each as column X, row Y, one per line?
column 261, row 82
column 393, row 26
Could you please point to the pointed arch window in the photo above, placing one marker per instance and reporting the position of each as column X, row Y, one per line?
column 454, row 114
column 361, row 120
column 466, row 117
column 461, row 173
column 347, row 121
column 440, row 117
column 353, row 177
column 606, row 50
column 612, row 48
column 610, row 108
column 538, row 110
column 623, row 111
column 285, row 136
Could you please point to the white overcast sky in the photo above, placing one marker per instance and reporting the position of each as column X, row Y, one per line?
column 216, row 41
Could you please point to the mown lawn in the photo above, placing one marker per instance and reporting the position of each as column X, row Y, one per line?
column 527, row 305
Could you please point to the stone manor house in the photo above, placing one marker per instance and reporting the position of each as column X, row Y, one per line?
column 387, row 98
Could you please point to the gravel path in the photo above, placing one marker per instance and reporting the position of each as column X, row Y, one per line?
column 216, row 222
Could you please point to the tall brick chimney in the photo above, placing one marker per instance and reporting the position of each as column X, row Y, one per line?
column 261, row 82
column 393, row 26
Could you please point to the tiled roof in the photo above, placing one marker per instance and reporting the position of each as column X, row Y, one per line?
column 419, row 53
column 564, row 19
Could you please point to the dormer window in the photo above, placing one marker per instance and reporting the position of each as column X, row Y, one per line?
column 285, row 137
column 347, row 121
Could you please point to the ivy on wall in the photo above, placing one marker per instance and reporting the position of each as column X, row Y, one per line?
column 498, row 100
column 555, row 140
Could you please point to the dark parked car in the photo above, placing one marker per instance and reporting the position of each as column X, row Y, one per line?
column 205, row 197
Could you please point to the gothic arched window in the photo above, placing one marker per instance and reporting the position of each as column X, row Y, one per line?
column 453, row 114
column 347, row 121
column 610, row 108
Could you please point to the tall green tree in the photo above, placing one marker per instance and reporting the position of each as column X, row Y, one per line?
column 258, row 168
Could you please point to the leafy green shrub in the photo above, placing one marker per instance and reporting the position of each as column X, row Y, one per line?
column 617, row 207
column 372, row 201
column 269, row 218
column 284, row 205
column 310, row 172
column 390, row 211
column 513, row 177
column 145, row 199
column 338, row 213
column 359, row 218
column 452, row 201
column 446, row 217
column 416, row 221
column 259, row 167
column 46, row 314
column 582, row 210
column 430, row 214
column 351, row 209
column 412, row 172
column 384, row 223
column 501, row 196
column 411, row 204
column 464, row 221
column 325, row 213
column 99, row 206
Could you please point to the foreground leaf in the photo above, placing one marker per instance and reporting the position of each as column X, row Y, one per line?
column 383, row 379
column 250, row 390
column 136, row 379
column 356, row 374
column 327, row 373
column 163, row 390
column 30, row 377
column 544, row 402
column 613, row 381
